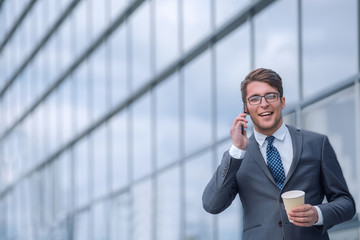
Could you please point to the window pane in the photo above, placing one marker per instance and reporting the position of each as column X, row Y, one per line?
column 36, row 201
column 3, row 223
column 290, row 119
column 142, row 211
column 39, row 126
column 167, row 32
column 11, row 216
column 167, row 121
column 141, row 64
column 53, row 121
column 196, row 21
column 62, row 195
column 48, row 187
column 100, row 161
column 142, row 137
column 233, row 64
column 352, row 233
column 120, row 216
column 116, row 7
column 81, row 226
column 81, row 21
column 119, row 148
column 276, row 44
column 225, row 9
column 330, row 43
column 82, row 112
column 198, row 222
column 340, row 130
column 81, row 172
column 66, row 46
column 99, row 16
column 100, row 222
column 168, row 205
column 197, row 103
column 99, row 83
column 118, row 65
column 3, row 79
column 66, row 111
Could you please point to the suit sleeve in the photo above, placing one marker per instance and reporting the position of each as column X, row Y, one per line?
column 222, row 188
column 340, row 206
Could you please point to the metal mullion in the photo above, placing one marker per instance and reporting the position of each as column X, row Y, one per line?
column 130, row 128
column 300, row 50
column 153, row 120
column 300, row 64
column 213, row 76
column 55, row 180
column 252, row 40
column 357, row 109
column 213, row 94
column 71, row 208
column 89, row 136
column 181, row 122
column 108, row 69
column 109, row 145
column 69, row 219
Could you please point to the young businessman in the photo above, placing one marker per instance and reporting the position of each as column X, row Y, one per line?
column 275, row 159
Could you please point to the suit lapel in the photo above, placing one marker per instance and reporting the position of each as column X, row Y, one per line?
column 296, row 138
column 255, row 153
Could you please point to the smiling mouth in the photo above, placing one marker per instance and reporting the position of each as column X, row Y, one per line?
column 265, row 114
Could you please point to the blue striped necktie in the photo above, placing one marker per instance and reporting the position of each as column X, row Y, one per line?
column 274, row 162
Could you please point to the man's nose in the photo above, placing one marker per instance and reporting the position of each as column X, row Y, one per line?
column 263, row 102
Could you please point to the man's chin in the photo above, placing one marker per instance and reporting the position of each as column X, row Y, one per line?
column 265, row 127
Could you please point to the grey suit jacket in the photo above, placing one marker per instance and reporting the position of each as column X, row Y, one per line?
column 314, row 169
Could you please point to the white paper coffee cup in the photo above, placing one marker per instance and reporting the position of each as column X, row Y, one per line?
column 293, row 199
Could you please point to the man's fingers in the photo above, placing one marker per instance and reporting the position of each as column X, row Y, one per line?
column 237, row 127
column 239, row 119
column 304, row 215
column 302, row 208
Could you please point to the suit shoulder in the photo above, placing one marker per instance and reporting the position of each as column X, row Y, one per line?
column 307, row 133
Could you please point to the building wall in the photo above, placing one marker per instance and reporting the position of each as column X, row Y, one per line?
column 115, row 113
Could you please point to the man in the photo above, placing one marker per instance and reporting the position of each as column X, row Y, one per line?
column 275, row 159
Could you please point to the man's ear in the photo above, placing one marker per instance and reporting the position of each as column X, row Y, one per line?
column 282, row 103
column 245, row 109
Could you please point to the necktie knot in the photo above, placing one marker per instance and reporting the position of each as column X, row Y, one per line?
column 270, row 139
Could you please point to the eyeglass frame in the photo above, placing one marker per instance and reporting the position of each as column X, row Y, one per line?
column 261, row 97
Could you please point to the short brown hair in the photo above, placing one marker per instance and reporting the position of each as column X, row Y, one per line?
column 262, row 75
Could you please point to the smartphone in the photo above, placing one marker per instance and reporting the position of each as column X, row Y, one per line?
column 242, row 127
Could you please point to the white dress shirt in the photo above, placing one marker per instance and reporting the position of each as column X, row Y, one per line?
column 283, row 144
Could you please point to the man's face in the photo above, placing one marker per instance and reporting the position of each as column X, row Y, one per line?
column 267, row 117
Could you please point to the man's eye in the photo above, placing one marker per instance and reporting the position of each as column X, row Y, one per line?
column 255, row 99
column 270, row 96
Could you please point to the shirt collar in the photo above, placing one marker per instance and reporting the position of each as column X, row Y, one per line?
column 279, row 134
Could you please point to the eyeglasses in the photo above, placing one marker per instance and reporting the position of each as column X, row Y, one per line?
column 270, row 97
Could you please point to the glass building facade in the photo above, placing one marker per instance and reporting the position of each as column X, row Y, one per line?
column 114, row 114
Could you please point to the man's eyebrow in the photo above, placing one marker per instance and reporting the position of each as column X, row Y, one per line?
column 257, row 95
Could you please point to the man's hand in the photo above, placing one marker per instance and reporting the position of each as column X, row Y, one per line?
column 304, row 216
column 239, row 140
